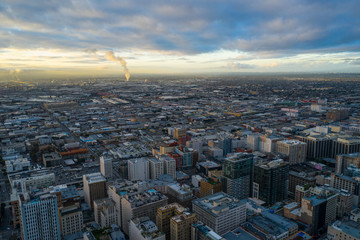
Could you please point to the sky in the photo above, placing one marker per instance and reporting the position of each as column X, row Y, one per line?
column 72, row 37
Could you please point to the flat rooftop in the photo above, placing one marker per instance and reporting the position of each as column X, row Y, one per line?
column 218, row 203
column 239, row 234
column 349, row 227
column 94, row 177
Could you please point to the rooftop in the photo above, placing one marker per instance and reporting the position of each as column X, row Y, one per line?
column 349, row 227
column 173, row 205
column 292, row 142
column 94, row 177
column 207, row 231
column 218, row 203
column 143, row 198
column 268, row 226
column 239, row 234
column 282, row 221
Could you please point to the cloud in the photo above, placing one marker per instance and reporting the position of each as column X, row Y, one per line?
column 237, row 65
column 260, row 34
column 188, row 27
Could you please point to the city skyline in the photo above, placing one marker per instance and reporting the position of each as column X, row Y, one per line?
column 72, row 38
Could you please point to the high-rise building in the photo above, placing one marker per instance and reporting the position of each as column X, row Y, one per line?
column 271, row 181
column 350, row 184
column 318, row 146
column 220, row 211
column 180, row 226
column 69, row 203
column 293, row 149
column 164, row 214
column 329, row 145
column 138, row 169
column 345, row 144
column 106, row 166
column 40, row 217
column 318, row 212
column 144, row 229
column 238, row 174
column 141, row 205
column 156, row 168
column 71, row 220
column 94, row 187
column 253, row 141
column 105, row 212
column 169, row 165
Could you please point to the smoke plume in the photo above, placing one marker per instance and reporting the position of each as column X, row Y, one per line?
column 110, row 56
column 14, row 73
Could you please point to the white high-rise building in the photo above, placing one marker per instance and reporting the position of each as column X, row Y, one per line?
column 169, row 165
column 40, row 218
column 253, row 141
column 106, row 166
column 138, row 169
column 156, row 168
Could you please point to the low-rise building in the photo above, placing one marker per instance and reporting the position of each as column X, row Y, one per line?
column 16, row 165
column 144, row 229
column 51, row 159
column 344, row 230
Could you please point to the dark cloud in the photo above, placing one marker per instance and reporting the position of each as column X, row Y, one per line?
column 285, row 26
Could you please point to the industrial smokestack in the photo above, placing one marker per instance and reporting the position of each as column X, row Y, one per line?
column 110, row 56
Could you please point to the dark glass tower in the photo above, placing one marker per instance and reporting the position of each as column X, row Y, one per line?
column 238, row 174
column 271, row 181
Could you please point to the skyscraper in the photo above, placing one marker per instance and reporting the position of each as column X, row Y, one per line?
column 40, row 217
column 271, row 181
column 318, row 212
column 238, row 174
